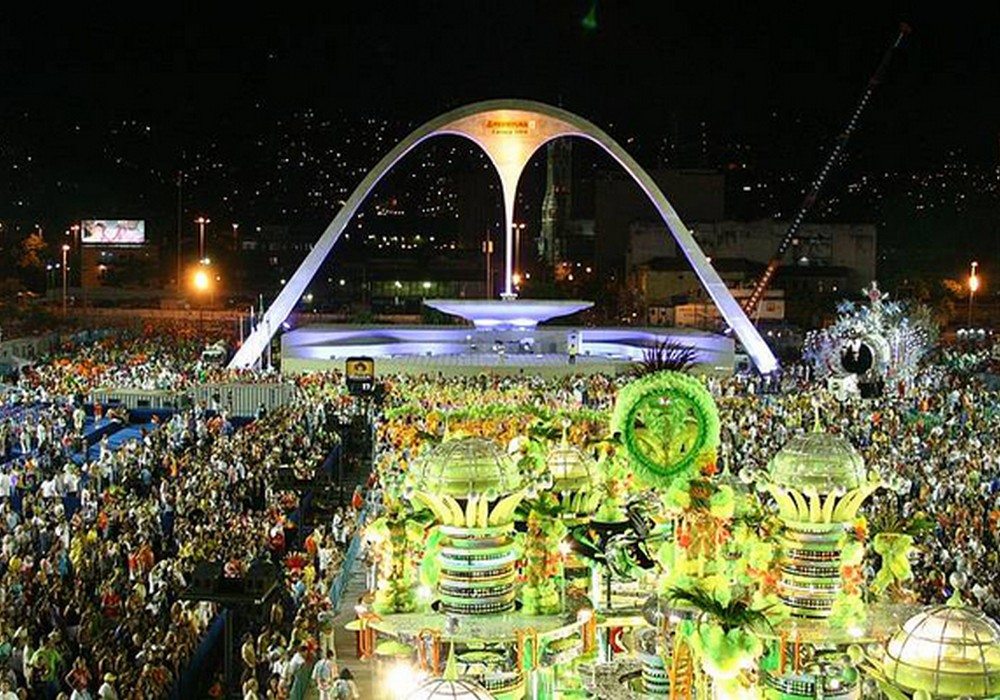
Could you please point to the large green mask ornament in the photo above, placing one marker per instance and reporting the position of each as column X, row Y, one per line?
column 668, row 423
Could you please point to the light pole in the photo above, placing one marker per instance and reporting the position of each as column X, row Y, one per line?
column 201, row 221
column 518, row 228
column 202, row 283
column 488, row 251
column 65, row 270
column 77, row 230
column 973, row 287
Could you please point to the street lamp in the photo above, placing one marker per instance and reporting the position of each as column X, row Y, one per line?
column 973, row 287
column 65, row 251
column 517, row 245
column 202, row 283
column 201, row 221
column 201, row 280
column 488, row 252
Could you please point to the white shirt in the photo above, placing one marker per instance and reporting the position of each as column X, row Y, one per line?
column 294, row 665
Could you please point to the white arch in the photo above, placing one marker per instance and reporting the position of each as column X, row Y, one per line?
column 510, row 131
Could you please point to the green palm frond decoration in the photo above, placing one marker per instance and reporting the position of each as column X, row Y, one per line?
column 889, row 520
column 736, row 614
column 429, row 438
column 666, row 355
column 545, row 431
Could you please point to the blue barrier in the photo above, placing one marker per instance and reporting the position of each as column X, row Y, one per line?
column 343, row 577
column 186, row 685
column 327, row 467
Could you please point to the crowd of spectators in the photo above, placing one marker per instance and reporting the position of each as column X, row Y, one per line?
column 97, row 549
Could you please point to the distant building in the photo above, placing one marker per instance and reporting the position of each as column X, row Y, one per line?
column 848, row 246
column 825, row 260
column 668, row 281
column 705, row 314
column 126, row 267
column 670, row 292
column 619, row 204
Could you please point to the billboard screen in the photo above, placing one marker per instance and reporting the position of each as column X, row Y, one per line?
column 113, row 232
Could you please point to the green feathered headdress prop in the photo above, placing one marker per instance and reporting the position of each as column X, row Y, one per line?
column 668, row 424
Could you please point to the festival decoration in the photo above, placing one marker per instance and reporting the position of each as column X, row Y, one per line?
column 881, row 341
column 397, row 539
column 477, row 556
column 668, row 425
column 449, row 686
column 758, row 583
column 894, row 543
column 819, row 483
column 946, row 651
column 543, row 565
column 724, row 637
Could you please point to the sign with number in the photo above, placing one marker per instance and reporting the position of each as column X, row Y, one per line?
column 360, row 375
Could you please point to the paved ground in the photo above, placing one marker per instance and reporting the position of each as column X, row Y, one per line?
column 347, row 648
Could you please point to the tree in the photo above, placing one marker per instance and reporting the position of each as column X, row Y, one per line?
column 32, row 251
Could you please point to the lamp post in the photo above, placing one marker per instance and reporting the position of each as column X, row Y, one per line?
column 202, row 283
column 488, row 252
column 201, row 221
column 973, row 287
column 518, row 228
column 65, row 270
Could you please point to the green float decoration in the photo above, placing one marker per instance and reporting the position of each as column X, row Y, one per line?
column 398, row 540
column 724, row 637
column 543, row 568
column 894, row 548
column 668, row 423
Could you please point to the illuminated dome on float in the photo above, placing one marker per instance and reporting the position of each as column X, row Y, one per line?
column 570, row 468
column 441, row 689
column 466, row 465
column 947, row 651
column 574, row 479
column 820, row 460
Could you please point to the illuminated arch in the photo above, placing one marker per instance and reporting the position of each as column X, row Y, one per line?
column 510, row 132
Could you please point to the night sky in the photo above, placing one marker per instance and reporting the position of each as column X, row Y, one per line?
column 746, row 69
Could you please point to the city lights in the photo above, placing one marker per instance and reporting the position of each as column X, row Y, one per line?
column 201, row 280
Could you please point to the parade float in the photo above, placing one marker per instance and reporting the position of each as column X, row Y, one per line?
column 625, row 563
column 871, row 345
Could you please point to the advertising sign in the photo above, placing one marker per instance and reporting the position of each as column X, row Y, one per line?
column 112, row 232
column 360, row 375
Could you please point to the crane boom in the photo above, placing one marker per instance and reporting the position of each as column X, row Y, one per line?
column 751, row 302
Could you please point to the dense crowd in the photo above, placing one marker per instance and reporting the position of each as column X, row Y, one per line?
column 96, row 549
column 438, row 393
column 168, row 358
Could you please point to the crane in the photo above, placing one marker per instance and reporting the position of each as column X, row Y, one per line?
column 757, row 294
